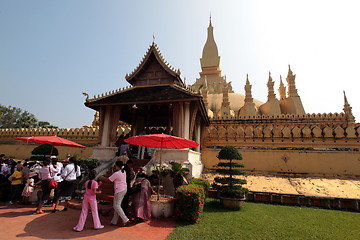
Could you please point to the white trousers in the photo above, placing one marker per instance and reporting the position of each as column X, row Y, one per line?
column 118, row 211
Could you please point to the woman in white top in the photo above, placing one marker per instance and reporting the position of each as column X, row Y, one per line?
column 45, row 174
column 58, row 178
column 70, row 173
column 120, row 188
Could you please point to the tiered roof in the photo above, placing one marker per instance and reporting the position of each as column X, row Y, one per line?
column 153, row 50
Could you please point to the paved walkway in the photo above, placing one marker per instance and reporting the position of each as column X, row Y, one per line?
column 19, row 222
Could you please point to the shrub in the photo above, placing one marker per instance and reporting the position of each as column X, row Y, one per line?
column 228, row 186
column 89, row 163
column 189, row 202
column 202, row 182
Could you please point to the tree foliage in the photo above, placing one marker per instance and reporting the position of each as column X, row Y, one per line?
column 229, row 153
column 44, row 124
column 44, row 150
column 13, row 117
column 228, row 186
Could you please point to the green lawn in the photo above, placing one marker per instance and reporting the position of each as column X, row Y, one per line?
column 265, row 221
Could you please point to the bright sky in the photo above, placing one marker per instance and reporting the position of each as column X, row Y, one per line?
column 51, row 51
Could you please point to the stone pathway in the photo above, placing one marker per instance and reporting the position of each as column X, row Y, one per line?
column 19, row 222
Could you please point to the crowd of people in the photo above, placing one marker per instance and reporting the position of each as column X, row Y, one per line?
column 24, row 177
column 132, row 190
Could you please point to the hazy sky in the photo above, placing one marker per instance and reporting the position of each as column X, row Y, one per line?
column 51, row 51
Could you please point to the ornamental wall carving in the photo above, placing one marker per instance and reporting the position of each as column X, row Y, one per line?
column 310, row 131
column 316, row 129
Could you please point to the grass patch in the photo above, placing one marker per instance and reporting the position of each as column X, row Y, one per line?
column 265, row 221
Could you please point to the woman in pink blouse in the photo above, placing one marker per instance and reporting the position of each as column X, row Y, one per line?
column 46, row 173
column 89, row 202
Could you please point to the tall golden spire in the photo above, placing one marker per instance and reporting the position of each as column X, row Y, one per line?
column 292, row 91
column 249, row 108
column 248, row 95
column 270, row 85
column 210, row 61
column 282, row 89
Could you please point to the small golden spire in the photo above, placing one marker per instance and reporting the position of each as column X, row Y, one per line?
column 348, row 110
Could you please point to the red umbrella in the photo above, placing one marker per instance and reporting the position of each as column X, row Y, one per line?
column 52, row 140
column 161, row 141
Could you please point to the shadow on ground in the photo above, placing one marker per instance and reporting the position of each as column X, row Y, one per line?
column 23, row 224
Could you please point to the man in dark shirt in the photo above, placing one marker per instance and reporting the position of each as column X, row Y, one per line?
column 130, row 175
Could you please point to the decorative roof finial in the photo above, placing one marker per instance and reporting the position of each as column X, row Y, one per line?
column 348, row 110
column 153, row 39
column 270, row 85
column 290, row 79
column 87, row 96
column 345, row 98
column 282, row 89
column 210, row 25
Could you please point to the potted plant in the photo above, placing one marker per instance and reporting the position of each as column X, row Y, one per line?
column 178, row 174
column 161, row 206
column 232, row 193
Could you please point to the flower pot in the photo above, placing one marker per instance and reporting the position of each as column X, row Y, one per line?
column 232, row 203
column 162, row 208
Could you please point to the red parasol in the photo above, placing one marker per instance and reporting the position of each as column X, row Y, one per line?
column 161, row 141
column 52, row 140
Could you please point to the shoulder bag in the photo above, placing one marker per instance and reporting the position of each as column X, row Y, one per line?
column 52, row 182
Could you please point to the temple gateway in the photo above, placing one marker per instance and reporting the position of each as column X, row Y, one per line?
column 273, row 136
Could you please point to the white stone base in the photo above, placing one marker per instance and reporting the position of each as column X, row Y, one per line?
column 104, row 153
column 186, row 157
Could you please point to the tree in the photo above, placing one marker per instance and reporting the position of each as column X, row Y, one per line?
column 229, row 186
column 13, row 117
column 44, row 150
column 44, row 124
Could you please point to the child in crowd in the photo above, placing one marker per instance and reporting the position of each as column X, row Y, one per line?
column 16, row 184
column 89, row 201
column 28, row 190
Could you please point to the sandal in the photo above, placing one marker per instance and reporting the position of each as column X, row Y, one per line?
column 126, row 223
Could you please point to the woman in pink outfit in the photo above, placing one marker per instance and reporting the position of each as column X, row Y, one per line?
column 89, row 201
column 142, row 205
